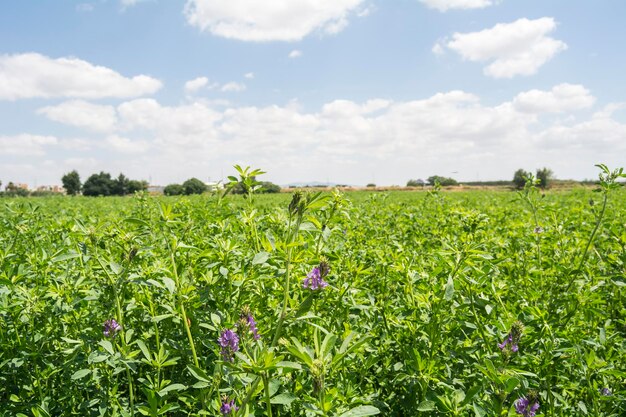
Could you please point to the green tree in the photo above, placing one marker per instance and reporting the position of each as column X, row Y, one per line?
column 519, row 178
column 71, row 183
column 135, row 186
column 269, row 188
column 442, row 180
column 415, row 183
column 194, row 186
column 174, row 189
column 120, row 185
column 545, row 177
column 99, row 184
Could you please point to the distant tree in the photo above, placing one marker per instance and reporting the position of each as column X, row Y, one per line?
column 519, row 178
column 174, row 189
column 194, row 186
column 545, row 177
column 371, row 185
column 415, row 183
column 442, row 180
column 120, row 185
column 135, row 186
column 99, row 184
column 71, row 183
column 269, row 188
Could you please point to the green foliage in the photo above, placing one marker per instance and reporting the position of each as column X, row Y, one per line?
column 415, row 183
column 443, row 181
column 71, row 183
column 194, row 186
column 99, row 185
column 544, row 176
column 457, row 305
column 174, row 189
column 519, row 178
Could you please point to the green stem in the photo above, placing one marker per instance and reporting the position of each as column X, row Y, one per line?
column 267, row 394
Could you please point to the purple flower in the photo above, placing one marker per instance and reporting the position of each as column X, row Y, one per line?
column 606, row 392
column 246, row 320
column 229, row 341
column 111, row 327
column 526, row 407
column 314, row 280
column 538, row 230
column 228, row 406
column 510, row 343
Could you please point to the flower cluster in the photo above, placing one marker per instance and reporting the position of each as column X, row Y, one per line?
column 315, row 279
column 111, row 327
column 527, row 406
column 605, row 391
column 229, row 342
column 228, row 406
column 510, row 343
column 246, row 321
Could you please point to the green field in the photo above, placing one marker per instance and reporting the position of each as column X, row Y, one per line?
column 437, row 304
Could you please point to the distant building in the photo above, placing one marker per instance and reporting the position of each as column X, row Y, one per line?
column 156, row 189
column 214, row 186
column 53, row 188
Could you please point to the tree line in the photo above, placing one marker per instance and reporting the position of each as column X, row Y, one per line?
column 101, row 184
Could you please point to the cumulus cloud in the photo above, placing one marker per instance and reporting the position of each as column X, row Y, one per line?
column 249, row 75
column 517, row 48
column 125, row 145
column 561, row 98
column 233, row 87
column 33, row 75
column 194, row 85
column 445, row 5
column 26, row 144
column 277, row 20
column 81, row 113
column 296, row 53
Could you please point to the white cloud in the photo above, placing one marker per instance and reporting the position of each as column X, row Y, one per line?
column 125, row 145
column 25, row 144
column 194, row 85
column 562, row 98
column 276, row 20
column 296, row 53
column 517, row 48
column 85, row 7
column 129, row 3
column 233, row 87
column 33, row 75
column 444, row 5
column 80, row 113
column 249, row 75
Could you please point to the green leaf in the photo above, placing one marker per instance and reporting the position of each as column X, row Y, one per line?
column 479, row 412
column 361, row 410
column 107, row 346
column 144, row 350
column 81, row 374
column 260, row 258
column 449, row 289
column 426, row 406
column 199, row 374
column 283, row 399
column 305, row 306
column 171, row 387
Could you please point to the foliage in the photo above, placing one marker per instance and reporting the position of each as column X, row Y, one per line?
column 415, row 183
column 444, row 181
column 545, row 176
column 103, row 185
column 194, row 186
column 371, row 185
column 519, row 178
column 174, row 189
column 311, row 304
column 71, row 183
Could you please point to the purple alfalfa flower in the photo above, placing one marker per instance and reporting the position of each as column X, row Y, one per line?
column 111, row 327
column 247, row 323
column 229, row 342
column 315, row 279
column 605, row 391
column 510, row 343
column 228, row 406
column 526, row 407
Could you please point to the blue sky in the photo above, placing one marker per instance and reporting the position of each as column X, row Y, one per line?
column 346, row 91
